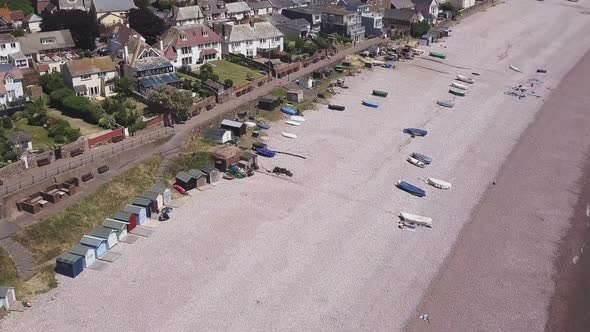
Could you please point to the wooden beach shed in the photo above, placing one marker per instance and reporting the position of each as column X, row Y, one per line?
column 139, row 211
column 98, row 244
column 165, row 191
column 144, row 203
column 87, row 253
column 226, row 155
column 120, row 227
column 218, row 135
column 268, row 103
column 185, row 180
column 156, row 198
column 106, row 233
column 130, row 218
column 69, row 265
column 212, row 173
column 7, row 297
column 237, row 128
column 200, row 177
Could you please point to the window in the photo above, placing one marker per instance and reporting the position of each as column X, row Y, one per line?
column 277, row 39
column 249, row 42
column 13, row 45
column 249, row 52
column 85, row 77
column 3, row 46
column 186, row 50
column 102, row 74
column 46, row 41
column 330, row 18
column 183, row 37
column 205, row 33
column 187, row 61
column 263, row 40
column 9, row 79
column 3, row 59
column 236, row 44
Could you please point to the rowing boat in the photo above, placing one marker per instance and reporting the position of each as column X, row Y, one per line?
column 425, row 159
column 264, row 125
column 440, row 184
column 459, row 86
column 265, row 152
column 370, row 104
column 411, row 189
column 460, row 93
column 289, row 135
column 293, row 123
column 297, row 118
column 516, row 69
column 288, row 110
column 415, row 131
column 379, row 93
column 416, row 162
column 437, row 55
column 465, row 79
column 416, row 219
column 445, row 103
column 336, row 107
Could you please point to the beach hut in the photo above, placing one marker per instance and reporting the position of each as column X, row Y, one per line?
column 107, row 234
column 165, row 191
column 295, row 96
column 268, row 103
column 237, row 128
column 250, row 159
column 218, row 135
column 200, row 177
column 185, row 180
column 130, row 218
column 69, row 265
column 7, row 297
column 98, row 244
column 139, row 212
column 144, row 203
column 87, row 253
column 224, row 156
column 156, row 198
column 120, row 227
column 212, row 173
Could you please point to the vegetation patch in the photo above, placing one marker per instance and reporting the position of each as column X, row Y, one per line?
column 8, row 273
column 239, row 75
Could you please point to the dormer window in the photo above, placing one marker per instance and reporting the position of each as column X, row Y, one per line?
column 183, row 37
column 207, row 7
column 9, row 79
column 47, row 41
column 205, row 33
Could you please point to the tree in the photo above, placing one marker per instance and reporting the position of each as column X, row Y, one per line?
column 310, row 48
column 6, row 122
column 62, row 132
column 6, row 150
column 228, row 83
column 147, row 24
column 449, row 6
column 52, row 82
column 299, row 43
column 167, row 99
column 36, row 112
column 107, row 121
column 418, row 29
column 142, row 3
column 18, row 32
column 124, row 87
column 81, row 24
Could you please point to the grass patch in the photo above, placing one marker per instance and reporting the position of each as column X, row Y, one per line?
column 85, row 127
column 228, row 70
column 187, row 77
column 195, row 155
column 40, row 283
column 55, row 235
column 39, row 135
column 8, row 273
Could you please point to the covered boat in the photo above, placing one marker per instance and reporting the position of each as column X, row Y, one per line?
column 336, row 107
column 437, row 55
column 516, row 69
column 445, row 103
column 293, row 123
column 250, row 124
column 415, row 131
column 416, row 219
column 265, row 152
column 288, row 110
column 465, row 79
column 264, row 125
column 297, row 118
column 459, row 86
column 379, row 93
column 416, row 162
column 460, row 93
column 440, row 184
column 370, row 103
column 289, row 135
column 425, row 159
column 409, row 188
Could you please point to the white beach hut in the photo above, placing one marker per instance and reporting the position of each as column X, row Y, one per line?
column 108, row 234
column 89, row 254
column 120, row 227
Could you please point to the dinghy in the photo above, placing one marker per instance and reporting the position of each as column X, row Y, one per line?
column 425, row 159
column 293, row 123
column 459, row 86
column 542, row 71
column 250, row 124
column 415, row 132
column 336, row 107
column 370, row 104
column 460, row 93
column 288, row 110
column 264, row 125
column 437, row 55
column 411, row 189
column 445, row 103
column 440, row 184
column 465, row 79
column 379, row 93
column 297, row 118
column 416, row 219
column 516, row 69
column 265, row 152
column 416, row 162
column 476, row 73
column 289, row 135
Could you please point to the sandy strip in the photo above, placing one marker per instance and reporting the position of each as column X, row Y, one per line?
column 321, row 250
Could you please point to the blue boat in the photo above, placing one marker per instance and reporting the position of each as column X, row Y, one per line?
column 415, row 132
column 425, row 159
column 265, row 152
column 411, row 189
column 264, row 126
column 288, row 110
column 370, row 104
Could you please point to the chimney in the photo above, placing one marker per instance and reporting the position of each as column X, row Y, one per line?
column 161, row 45
column 251, row 23
column 126, row 54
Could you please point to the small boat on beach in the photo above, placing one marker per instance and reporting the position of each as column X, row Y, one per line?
column 411, row 189
column 416, row 219
column 415, row 132
column 289, row 135
column 179, row 189
column 379, row 93
column 418, row 51
column 516, row 69
column 293, row 123
column 370, row 104
column 437, row 55
column 297, row 118
column 440, row 184
column 250, row 124
column 460, row 93
column 425, row 159
column 459, row 86
column 416, row 162
column 336, row 107
column 542, row 71
column 265, row 152
column 263, row 126
column 465, row 79
column 288, row 110
column 445, row 103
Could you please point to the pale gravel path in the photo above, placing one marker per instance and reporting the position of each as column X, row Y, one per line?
column 321, row 251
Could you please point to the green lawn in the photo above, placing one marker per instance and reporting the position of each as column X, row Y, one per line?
column 8, row 276
column 234, row 72
column 39, row 134
column 187, row 77
column 85, row 127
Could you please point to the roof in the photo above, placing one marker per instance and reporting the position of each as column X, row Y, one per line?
column 5, row 14
column 151, row 81
column 402, row 15
column 424, row 2
column 68, row 258
column 226, row 151
column 141, row 201
column 281, row 3
column 19, row 137
column 88, row 66
column 336, row 10
column 208, row 51
column 269, row 98
column 159, row 188
column 31, row 43
column 104, row 6
column 279, row 20
column 248, row 155
column 80, row 250
column 92, row 241
column 237, row 7
column 186, row 13
column 191, row 35
column 183, row 177
column 212, row 6
column 71, row 4
column 259, row 4
column 32, row 18
column 257, row 30
column 196, row 173
column 114, row 224
column 231, row 123
column 135, row 209
column 8, row 70
column 215, row 133
column 207, row 169
column 17, row 15
column 122, row 215
column 7, row 38
column 151, row 195
column 4, row 291
column 100, row 231
column 80, row 88
column 400, row 4
column 121, row 33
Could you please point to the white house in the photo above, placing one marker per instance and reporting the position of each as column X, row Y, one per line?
column 10, row 51
column 49, row 50
column 180, row 16
column 237, row 10
column 91, row 76
column 33, row 22
column 191, row 45
column 251, row 39
column 460, row 4
column 11, row 86
column 258, row 8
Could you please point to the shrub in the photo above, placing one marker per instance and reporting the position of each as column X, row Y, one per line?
column 228, row 83
column 52, row 82
column 6, row 122
column 418, row 29
column 62, row 132
column 57, row 97
column 82, row 108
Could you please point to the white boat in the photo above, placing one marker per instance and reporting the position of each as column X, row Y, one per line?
column 416, row 162
column 445, row 103
column 465, row 79
column 297, row 118
column 293, row 123
column 289, row 135
column 459, row 86
column 416, row 219
column 440, row 184
column 515, row 69
column 250, row 124
column 418, row 51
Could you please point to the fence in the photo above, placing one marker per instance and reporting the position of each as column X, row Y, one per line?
column 64, row 165
column 105, row 138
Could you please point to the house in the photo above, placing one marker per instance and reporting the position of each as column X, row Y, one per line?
column 10, row 51
column 311, row 14
column 342, row 21
column 252, row 39
column 129, row 218
column 371, row 14
column 218, row 135
column 11, row 86
column 69, row 265
column 212, row 173
column 373, row 23
column 399, row 21
column 88, row 254
column 110, row 12
column 17, row 17
column 200, row 177
column 377, row 6
column 427, row 7
column 6, row 24
column 402, row 4
column 213, row 10
column 237, row 128
column 248, row 161
column 99, row 245
column 120, row 227
column 225, row 155
column 7, row 297
column 147, row 66
column 461, row 4
column 279, row 5
column 72, row 4
column 119, row 35
column 33, row 22
column 292, row 29
column 105, row 233
column 91, row 76
column 191, row 45
column 185, row 180
column 21, row 141
column 237, row 11
column 48, row 50
column 180, row 16
column 258, row 8
column 43, row 5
